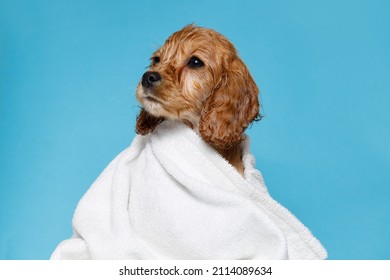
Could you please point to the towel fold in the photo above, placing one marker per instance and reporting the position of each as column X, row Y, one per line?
column 171, row 196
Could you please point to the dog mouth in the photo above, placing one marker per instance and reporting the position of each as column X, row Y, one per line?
column 148, row 98
column 151, row 98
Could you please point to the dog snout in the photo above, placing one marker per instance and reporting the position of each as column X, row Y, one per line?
column 149, row 79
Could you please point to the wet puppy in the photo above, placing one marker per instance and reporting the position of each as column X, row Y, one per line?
column 198, row 78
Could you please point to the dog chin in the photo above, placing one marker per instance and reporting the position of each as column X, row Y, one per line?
column 150, row 104
column 152, row 107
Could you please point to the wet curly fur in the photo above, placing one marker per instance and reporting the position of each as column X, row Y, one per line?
column 198, row 78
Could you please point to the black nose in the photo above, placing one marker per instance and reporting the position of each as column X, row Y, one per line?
column 149, row 79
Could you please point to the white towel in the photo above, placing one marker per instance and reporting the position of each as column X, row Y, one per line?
column 170, row 196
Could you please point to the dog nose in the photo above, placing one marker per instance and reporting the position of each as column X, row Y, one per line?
column 149, row 79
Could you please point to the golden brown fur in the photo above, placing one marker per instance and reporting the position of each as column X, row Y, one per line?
column 218, row 99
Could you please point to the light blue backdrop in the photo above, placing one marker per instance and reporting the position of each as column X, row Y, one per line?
column 68, row 75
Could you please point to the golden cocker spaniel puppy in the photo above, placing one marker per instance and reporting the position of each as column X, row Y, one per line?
column 198, row 78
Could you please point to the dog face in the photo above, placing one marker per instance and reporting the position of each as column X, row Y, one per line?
column 197, row 77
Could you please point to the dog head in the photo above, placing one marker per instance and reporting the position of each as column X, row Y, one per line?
column 197, row 77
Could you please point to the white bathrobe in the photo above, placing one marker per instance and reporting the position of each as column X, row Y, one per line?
column 171, row 196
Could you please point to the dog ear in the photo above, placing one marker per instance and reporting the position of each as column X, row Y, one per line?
column 231, row 107
column 146, row 122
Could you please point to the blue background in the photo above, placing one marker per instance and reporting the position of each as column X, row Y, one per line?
column 67, row 80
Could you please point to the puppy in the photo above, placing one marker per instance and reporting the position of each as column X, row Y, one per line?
column 197, row 77
column 179, row 211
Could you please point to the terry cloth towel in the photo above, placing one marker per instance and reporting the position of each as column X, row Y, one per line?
column 170, row 196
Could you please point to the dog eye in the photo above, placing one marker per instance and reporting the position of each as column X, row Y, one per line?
column 155, row 60
column 195, row 62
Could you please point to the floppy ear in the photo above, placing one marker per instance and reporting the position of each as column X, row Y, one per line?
column 146, row 122
column 231, row 107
